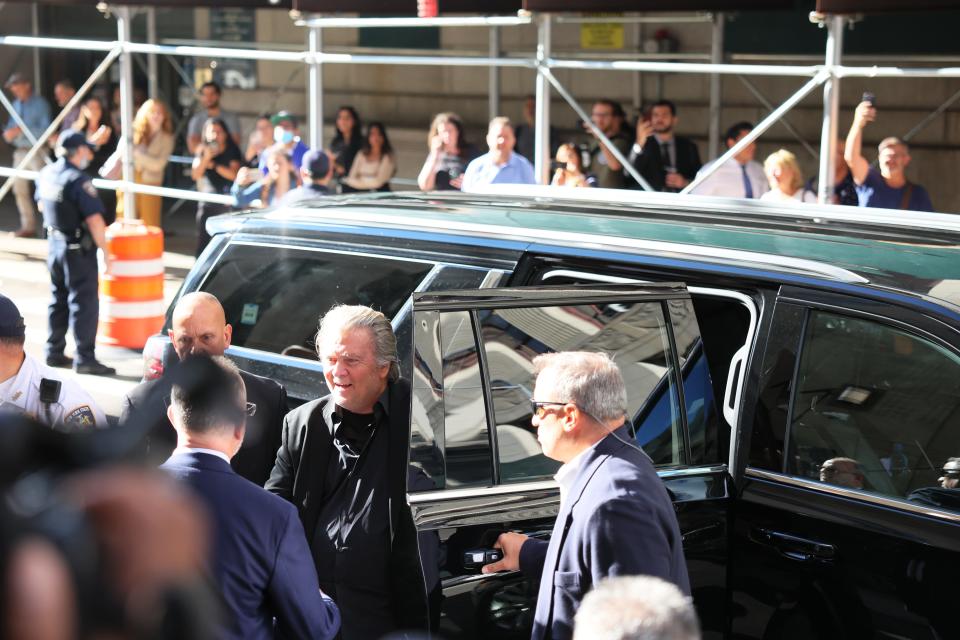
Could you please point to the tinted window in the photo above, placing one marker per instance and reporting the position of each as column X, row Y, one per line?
column 875, row 409
column 273, row 297
column 633, row 333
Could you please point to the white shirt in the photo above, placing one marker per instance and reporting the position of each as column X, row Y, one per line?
column 727, row 180
column 567, row 473
column 74, row 409
column 802, row 195
column 212, row 452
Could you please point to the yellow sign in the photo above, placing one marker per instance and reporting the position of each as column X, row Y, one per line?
column 601, row 35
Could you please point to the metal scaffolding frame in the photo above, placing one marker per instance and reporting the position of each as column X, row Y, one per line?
column 542, row 62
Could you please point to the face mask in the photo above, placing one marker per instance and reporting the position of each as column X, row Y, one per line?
column 282, row 136
column 81, row 163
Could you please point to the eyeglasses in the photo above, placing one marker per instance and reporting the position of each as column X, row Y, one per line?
column 250, row 409
column 536, row 407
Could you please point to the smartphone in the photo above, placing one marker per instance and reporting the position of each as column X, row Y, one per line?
column 869, row 97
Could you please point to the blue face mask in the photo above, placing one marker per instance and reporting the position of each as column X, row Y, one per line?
column 282, row 136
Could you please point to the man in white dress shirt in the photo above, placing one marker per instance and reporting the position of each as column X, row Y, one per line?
column 739, row 177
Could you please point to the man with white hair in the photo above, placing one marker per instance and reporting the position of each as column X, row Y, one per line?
column 615, row 515
column 636, row 608
column 343, row 462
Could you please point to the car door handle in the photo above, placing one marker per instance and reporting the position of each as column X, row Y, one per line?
column 794, row 547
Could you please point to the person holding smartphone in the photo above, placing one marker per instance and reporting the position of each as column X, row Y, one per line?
column 215, row 167
column 665, row 160
column 888, row 186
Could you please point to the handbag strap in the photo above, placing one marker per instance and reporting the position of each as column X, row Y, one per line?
column 907, row 192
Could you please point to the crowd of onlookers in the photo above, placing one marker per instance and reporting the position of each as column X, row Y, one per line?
column 269, row 166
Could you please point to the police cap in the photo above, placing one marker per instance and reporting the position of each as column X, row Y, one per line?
column 70, row 140
column 952, row 467
column 11, row 322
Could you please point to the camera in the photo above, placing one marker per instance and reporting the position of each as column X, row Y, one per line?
column 868, row 96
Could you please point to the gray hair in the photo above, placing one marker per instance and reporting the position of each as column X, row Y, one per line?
column 343, row 318
column 590, row 380
column 636, row 608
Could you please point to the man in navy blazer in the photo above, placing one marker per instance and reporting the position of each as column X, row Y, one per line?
column 260, row 557
column 615, row 515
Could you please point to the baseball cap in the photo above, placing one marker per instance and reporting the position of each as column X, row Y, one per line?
column 11, row 322
column 16, row 78
column 316, row 163
column 71, row 139
column 281, row 116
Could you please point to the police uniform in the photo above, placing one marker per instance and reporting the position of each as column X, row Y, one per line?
column 68, row 198
column 37, row 390
column 73, row 408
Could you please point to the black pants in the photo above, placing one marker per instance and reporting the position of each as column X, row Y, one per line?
column 206, row 210
column 74, row 300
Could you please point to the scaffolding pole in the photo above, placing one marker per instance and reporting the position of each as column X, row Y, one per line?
column 716, row 57
column 126, row 109
column 541, row 156
column 315, row 86
column 493, row 96
column 152, row 80
column 831, row 108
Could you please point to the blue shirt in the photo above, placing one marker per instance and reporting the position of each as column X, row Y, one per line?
column 481, row 171
column 296, row 157
column 874, row 192
column 35, row 113
column 309, row 191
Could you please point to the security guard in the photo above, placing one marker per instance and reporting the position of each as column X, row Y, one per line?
column 74, row 217
column 26, row 386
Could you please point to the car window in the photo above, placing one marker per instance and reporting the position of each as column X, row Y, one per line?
column 274, row 297
column 875, row 409
column 634, row 334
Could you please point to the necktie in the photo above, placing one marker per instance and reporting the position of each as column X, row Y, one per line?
column 747, row 187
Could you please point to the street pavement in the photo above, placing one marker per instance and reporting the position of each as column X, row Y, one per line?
column 25, row 280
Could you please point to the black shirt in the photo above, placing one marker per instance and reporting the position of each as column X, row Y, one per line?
column 351, row 540
column 215, row 181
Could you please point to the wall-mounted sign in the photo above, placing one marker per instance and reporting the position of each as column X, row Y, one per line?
column 601, row 35
column 234, row 25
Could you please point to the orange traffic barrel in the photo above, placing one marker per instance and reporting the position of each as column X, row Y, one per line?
column 131, row 292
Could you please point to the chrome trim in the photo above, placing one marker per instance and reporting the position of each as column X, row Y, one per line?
column 742, row 355
column 274, row 358
column 323, row 249
column 444, row 495
column 492, row 279
column 586, row 240
column 852, row 494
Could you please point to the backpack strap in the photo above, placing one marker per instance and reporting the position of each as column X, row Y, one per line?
column 907, row 192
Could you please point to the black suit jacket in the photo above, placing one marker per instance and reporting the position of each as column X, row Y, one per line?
column 260, row 558
column 617, row 519
column 650, row 164
column 145, row 409
column 299, row 476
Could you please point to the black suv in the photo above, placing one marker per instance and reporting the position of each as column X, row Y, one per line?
column 793, row 371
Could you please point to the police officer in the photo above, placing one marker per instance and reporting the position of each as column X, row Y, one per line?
column 26, row 386
column 74, row 217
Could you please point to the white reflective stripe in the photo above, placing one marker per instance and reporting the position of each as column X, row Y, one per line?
column 134, row 268
column 151, row 309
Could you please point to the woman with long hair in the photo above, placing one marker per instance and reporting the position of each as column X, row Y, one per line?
column 450, row 153
column 94, row 123
column 374, row 165
column 215, row 167
column 253, row 189
column 570, row 172
column 786, row 180
column 152, row 146
column 347, row 141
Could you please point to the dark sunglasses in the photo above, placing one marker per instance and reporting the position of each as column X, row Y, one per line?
column 536, row 407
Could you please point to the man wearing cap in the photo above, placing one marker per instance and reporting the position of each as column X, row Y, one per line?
column 73, row 215
column 947, row 495
column 316, row 172
column 889, row 187
column 35, row 113
column 287, row 135
column 26, row 386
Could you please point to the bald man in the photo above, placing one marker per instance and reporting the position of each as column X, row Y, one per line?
column 199, row 326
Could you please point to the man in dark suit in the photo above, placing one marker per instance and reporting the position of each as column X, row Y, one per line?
column 200, row 327
column 343, row 463
column 260, row 561
column 615, row 515
column 667, row 161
